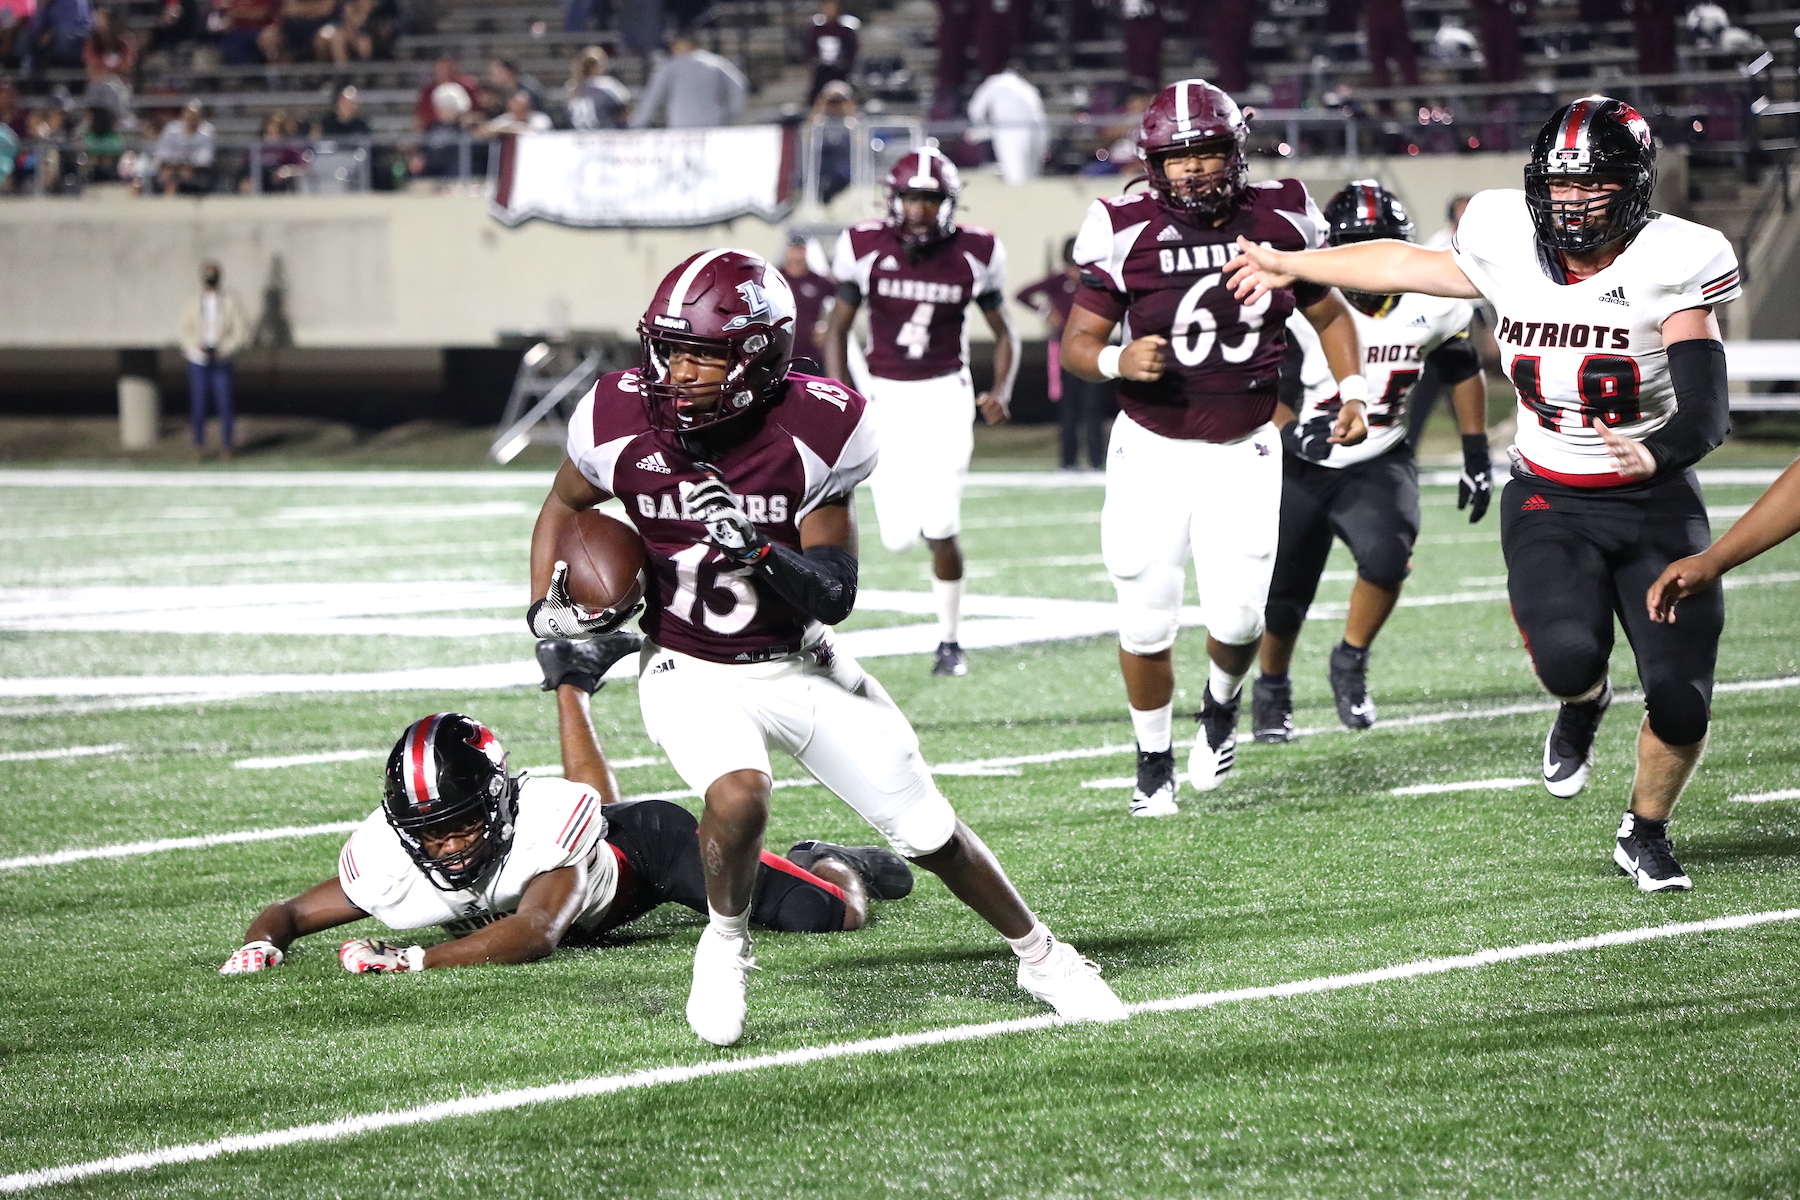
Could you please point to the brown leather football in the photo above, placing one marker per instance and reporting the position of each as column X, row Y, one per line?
column 606, row 560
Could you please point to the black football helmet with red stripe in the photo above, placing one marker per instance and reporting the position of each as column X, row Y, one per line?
column 447, row 775
column 1192, row 116
column 923, row 173
column 728, row 304
column 1595, row 138
column 1365, row 212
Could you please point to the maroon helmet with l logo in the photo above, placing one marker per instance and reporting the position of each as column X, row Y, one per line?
column 923, row 172
column 1191, row 116
column 727, row 304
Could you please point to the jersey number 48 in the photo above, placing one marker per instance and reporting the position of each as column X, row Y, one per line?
column 1608, row 385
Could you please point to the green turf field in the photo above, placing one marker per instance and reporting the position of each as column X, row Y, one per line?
column 1660, row 1068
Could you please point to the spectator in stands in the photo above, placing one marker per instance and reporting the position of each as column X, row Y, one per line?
column 506, row 79
column 581, row 15
column 1653, row 33
column 692, row 89
column 1081, row 406
column 101, row 144
column 279, row 158
column 1453, row 44
column 440, row 155
column 52, row 161
column 445, row 70
column 832, row 114
column 14, row 16
column 1498, row 21
column 641, row 26
column 344, row 120
column 12, row 115
column 596, row 99
column 1013, row 111
column 996, row 29
column 955, row 34
column 367, row 30
column 242, row 23
column 184, row 154
column 1452, row 218
column 831, row 46
column 517, row 117
column 812, row 292
column 109, row 52
column 306, row 32
column 1230, row 29
column 1143, row 30
column 1120, row 152
column 1389, row 38
column 214, row 327
column 55, row 35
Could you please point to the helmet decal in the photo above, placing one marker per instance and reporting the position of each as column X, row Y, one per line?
column 421, row 763
column 678, row 295
column 722, row 304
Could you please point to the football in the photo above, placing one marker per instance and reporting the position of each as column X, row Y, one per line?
column 606, row 561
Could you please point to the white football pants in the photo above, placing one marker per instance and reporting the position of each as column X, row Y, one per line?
column 926, row 430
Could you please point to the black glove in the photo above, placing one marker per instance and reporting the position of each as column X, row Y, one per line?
column 1476, row 487
column 1309, row 441
column 727, row 526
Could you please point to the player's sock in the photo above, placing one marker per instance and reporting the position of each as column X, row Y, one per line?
column 1275, row 681
column 729, row 927
column 949, row 594
column 1223, row 684
column 1035, row 946
column 1154, row 727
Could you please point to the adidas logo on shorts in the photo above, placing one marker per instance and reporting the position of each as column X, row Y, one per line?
column 653, row 462
column 1617, row 296
column 1169, row 234
column 1536, row 504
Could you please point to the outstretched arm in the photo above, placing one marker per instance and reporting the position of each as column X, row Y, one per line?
column 1385, row 266
column 321, row 906
column 546, row 910
column 1773, row 519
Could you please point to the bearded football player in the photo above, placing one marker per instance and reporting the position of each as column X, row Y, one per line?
column 512, row 867
column 740, row 474
column 1194, row 466
column 1367, row 494
column 918, row 270
column 1607, row 332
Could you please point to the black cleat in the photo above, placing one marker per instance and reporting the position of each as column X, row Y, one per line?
column 1349, row 674
column 1272, row 710
column 1569, row 748
column 884, row 873
column 584, row 664
column 1215, row 744
column 1155, row 792
column 950, row 660
column 1643, row 852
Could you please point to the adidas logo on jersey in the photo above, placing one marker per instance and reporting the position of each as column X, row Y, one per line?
column 1169, row 234
column 653, row 462
column 1418, row 322
column 1536, row 504
column 890, row 263
column 1616, row 296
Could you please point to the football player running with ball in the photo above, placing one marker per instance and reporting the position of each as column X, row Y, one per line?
column 1367, row 494
column 1607, row 331
column 917, row 271
column 1194, row 468
column 740, row 475
column 512, row 867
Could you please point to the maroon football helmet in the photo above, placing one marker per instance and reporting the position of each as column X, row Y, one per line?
column 1189, row 116
column 925, row 172
column 726, row 304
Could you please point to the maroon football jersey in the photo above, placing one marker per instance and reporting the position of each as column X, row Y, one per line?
column 1150, row 267
column 810, row 293
column 1051, row 297
column 813, row 448
column 916, row 303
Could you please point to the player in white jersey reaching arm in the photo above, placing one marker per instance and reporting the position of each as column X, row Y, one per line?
column 1608, row 334
column 917, row 271
column 1366, row 494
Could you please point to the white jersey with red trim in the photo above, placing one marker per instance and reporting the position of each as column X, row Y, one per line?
column 559, row 824
column 1395, row 346
column 1593, row 348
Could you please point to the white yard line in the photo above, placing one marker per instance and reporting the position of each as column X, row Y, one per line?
column 649, row 1077
column 1468, row 785
column 61, row 752
column 1766, row 797
column 305, row 760
column 131, row 849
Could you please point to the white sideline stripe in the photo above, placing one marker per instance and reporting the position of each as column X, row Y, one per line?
column 301, row 760
column 1765, row 797
column 130, row 849
column 1470, row 785
column 605, row 1085
column 62, row 752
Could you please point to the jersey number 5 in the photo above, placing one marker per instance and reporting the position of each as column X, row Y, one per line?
column 1607, row 383
column 697, row 582
column 1194, row 332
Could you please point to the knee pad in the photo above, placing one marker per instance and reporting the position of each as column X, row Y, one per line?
column 1145, row 630
column 1283, row 618
column 898, row 541
column 1387, row 566
column 1568, row 661
column 922, row 825
column 1237, row 626
column 1679, row 714
column 805, row 908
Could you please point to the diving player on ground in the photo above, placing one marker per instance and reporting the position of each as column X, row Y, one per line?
column 1194, row 468
column 740, row 476
column 512, row 867
column 1367, row 494
column 1607, row 330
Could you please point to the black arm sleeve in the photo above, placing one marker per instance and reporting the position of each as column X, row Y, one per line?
column 820, row 582
column 1697, row 369
column 1455, row 360
column 849, row 293
column 989, row 301
column 1307, row 293
column 1290, row 391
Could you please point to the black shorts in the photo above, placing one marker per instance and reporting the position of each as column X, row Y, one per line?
column 1577, row 557
column 659, row 846
column 1373, row 506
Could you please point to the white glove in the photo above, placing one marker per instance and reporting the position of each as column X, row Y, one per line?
column 727, row 526
column 252, row 957
column 372, row 956
column 558, row 616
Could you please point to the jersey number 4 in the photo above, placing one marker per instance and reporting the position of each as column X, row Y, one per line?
column 915, row 335
column 1607, row 383
column 1194, row 332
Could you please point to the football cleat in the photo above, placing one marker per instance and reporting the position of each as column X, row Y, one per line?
column 716, row 1006
column 884, row 873
column 584, row 664
column 1155, row 793
column 1272, row 710
column 1071, row 985
column 1349, row 674
column 1215, row 745
column 950, row 660
column 1569, row 746
column 1643, row 852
